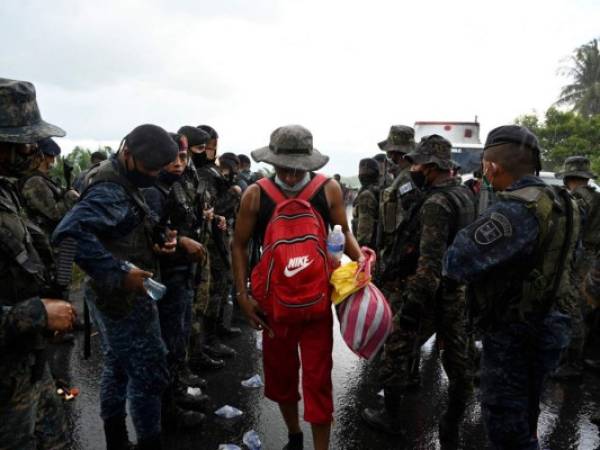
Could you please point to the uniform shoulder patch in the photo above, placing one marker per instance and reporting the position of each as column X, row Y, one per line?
column 496, row 227
column 406, row 188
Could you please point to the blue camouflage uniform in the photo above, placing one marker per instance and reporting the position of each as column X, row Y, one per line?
column 135, row 365
column 495, row 255
column 177, row 274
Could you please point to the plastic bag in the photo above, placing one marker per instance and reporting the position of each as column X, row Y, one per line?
column 253, row 382
column 252, row 440
column 365, row 321
column 350, row 277
column 229, row 447
column 228, row 412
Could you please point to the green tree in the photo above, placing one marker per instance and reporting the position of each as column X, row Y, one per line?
column 79, row 158
column 563, row 134
column 583, row 93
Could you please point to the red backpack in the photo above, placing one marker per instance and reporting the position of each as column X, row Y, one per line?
column 291, row 280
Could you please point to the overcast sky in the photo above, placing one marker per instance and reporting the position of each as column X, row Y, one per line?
column 345, row 69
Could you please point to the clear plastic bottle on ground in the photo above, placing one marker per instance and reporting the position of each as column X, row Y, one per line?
column 336, row 242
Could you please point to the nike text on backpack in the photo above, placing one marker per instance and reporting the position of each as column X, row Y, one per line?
column 291, row 280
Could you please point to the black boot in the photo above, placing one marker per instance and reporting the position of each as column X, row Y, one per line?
column 386, row 419
column 115, row 432
column 185, row 400
column 295, row 441
column 200, row 361
column 177, row 418
column 213, row 346
column 571, row 368
column 187, row 378
column 228, row 332
column 153, row 443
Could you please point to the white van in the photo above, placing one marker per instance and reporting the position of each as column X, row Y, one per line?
column 464, row 136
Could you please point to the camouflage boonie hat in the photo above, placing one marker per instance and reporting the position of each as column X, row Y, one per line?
column 433, row 149
column 291, row 147
column 400, row 139
column 20, row 118
column 577, row 167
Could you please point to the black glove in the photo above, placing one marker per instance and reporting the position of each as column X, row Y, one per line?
column 410, row 316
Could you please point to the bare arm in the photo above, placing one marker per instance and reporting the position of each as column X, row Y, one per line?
column 337, row 211
column 244, row 227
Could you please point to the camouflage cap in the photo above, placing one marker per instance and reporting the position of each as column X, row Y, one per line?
column 433, row 149
column 291, row 147
column 20, row 118
column 401, row 138
column 576, row 167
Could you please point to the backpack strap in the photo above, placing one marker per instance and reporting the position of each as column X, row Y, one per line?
column 313, row 187
column 271, row 189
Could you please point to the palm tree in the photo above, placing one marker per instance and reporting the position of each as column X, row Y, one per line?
column 583, row 94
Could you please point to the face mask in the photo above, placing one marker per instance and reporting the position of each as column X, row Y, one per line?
column 200, row 159
column 295, row 188
column 418, row 178
column 487, row 183
column 367, row 179
column 168, row 178
column 139, row 179
column 19, row 163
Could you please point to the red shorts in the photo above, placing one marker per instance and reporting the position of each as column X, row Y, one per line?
column 282, row 366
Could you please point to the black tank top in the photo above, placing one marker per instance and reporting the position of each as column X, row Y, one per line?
column 267, row 206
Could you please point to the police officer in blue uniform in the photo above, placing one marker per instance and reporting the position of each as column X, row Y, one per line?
column 516, row 258
column 114, row 230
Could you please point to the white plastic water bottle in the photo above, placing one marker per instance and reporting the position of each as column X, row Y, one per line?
column 335, row 242
column 154, row 289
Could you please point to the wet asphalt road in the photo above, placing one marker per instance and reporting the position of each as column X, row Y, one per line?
column 564, row 423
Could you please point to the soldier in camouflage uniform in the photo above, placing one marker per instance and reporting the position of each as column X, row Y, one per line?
column 396, row 201
column 592, row 293
column 218, row 248
column 45, row 201
column 31, row 414
column 365, row 209
column 429, row 302
column 199, row 360
column 516, row 257
column 576, row 174
column 118, row 247
column 179, row 206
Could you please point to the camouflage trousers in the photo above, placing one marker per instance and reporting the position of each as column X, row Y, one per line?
column 576, row 307
column 446, row 317
column 515, row 361
column 135, row 366
column 175, row 313
column 32, row 415
column 221, row 280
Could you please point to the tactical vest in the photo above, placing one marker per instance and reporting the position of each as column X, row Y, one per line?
column 533, row 286
column 22, row 273
column 372, row 190
column 135, row 247
column 38, row 217
column 398, row 203
column 589, row 200
column 405, row 250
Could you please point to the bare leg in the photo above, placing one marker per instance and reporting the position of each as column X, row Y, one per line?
column 289, row 411
column 320, row 434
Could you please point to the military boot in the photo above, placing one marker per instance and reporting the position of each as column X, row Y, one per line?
column 115, row 432
column 187, row 378
column 200, row 361
column 228, row 332
column 196, row 402
column 213, row 346
column 178, row 418
column 592, row 364
column 386, row 419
